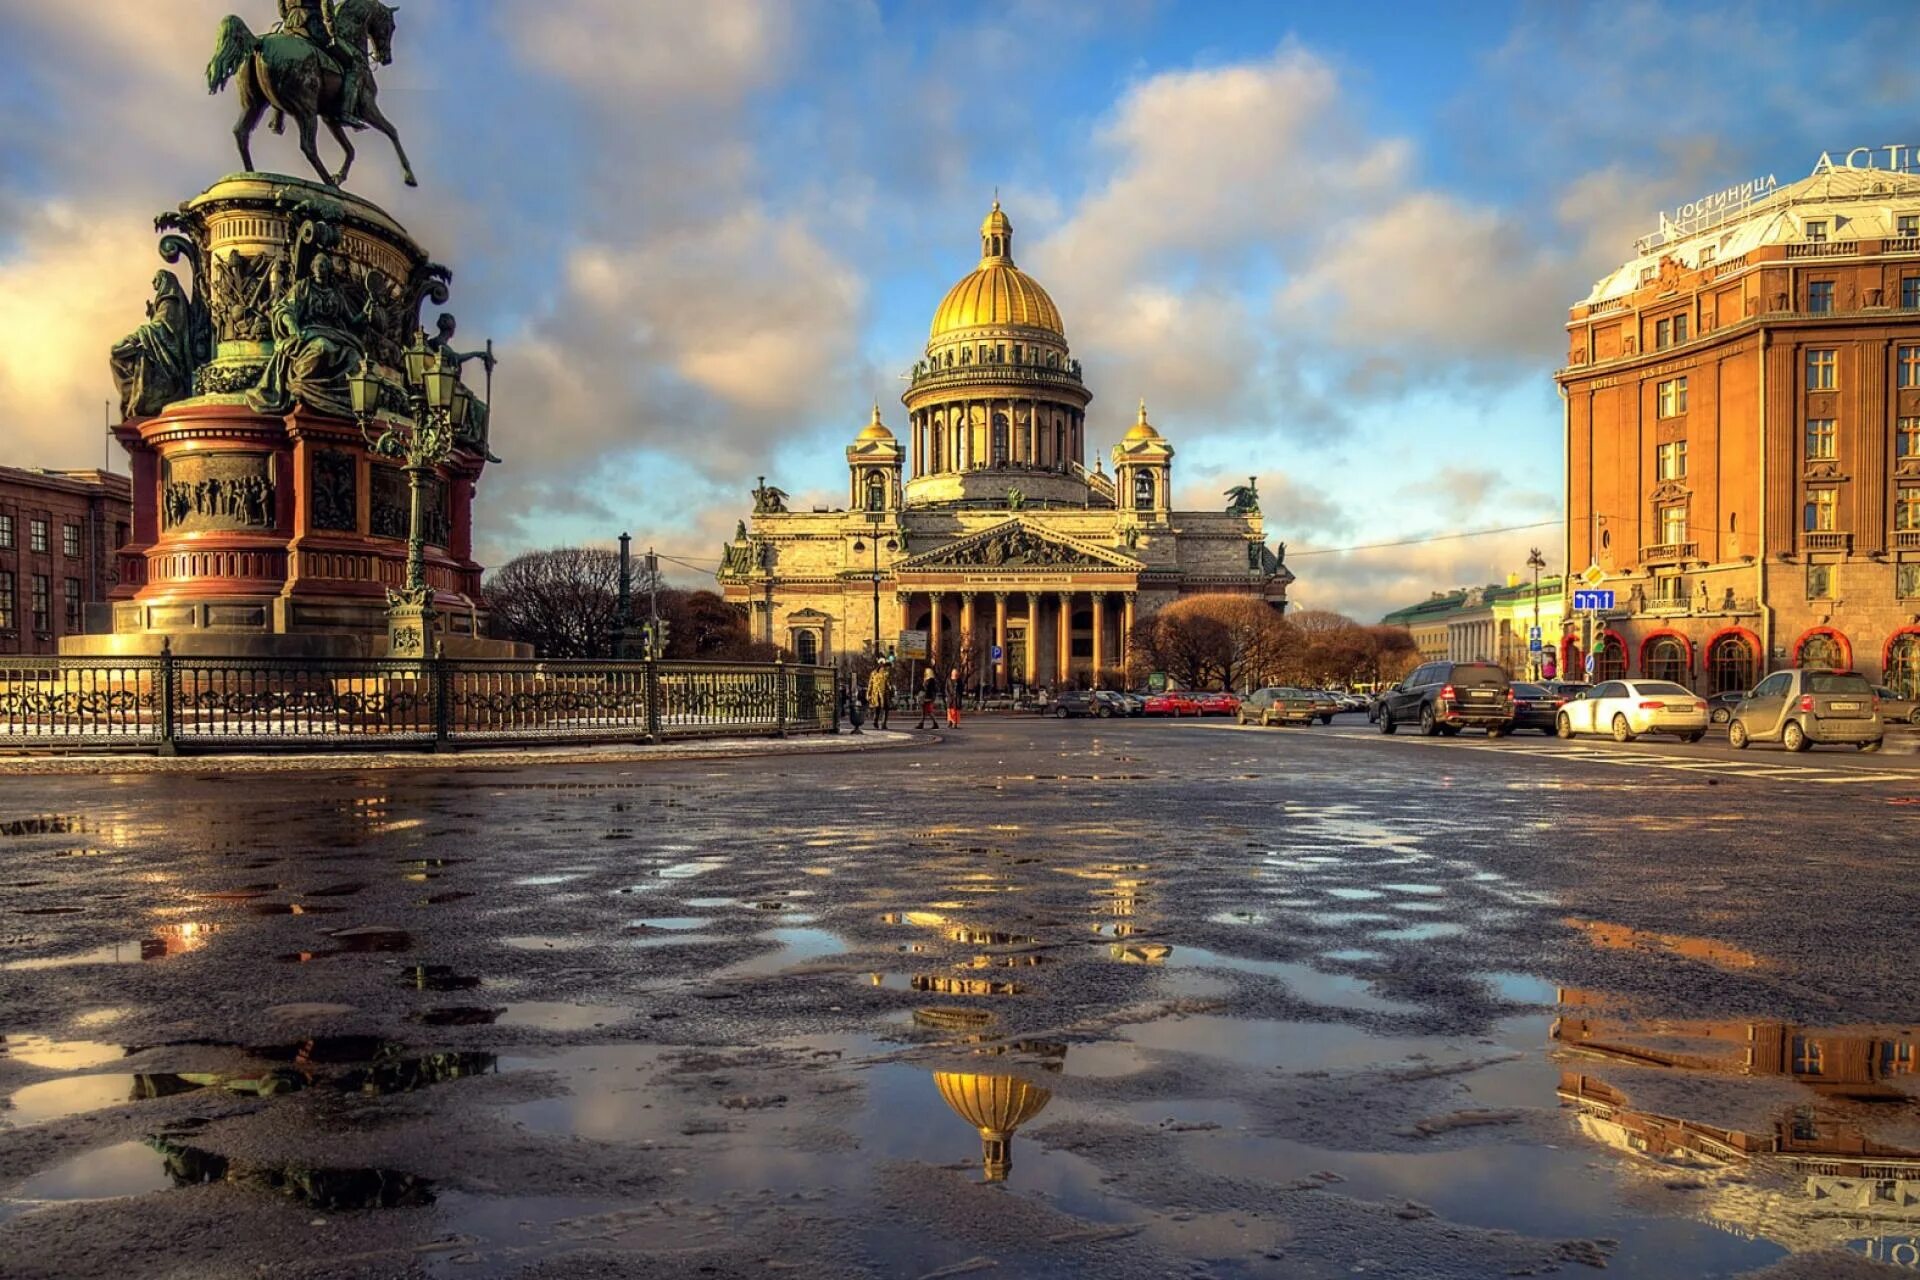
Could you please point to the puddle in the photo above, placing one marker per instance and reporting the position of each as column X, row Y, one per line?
column 943, row 984
column 124, row 1169
column 797, row 947
column 1355, row 895
column 1422, row 932
column 550, row 942
column 457, row 1016
column 172, row 940
column 1354, row 955
column 357, row 941
column 671, row 922
column 289, row 909
column 59, row 1055
column 331, row 1190
column 1522, row 988
column 1337, row 990
column 559, row 1015
column 1239, row 917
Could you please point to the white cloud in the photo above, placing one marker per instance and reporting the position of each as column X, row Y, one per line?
column 663, row 52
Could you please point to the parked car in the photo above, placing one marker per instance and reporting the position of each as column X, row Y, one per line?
column 1136, row 703
column 1276, row 704
column 1896, row 707
column 1807, row 705
column 1720, row 705
column 1446, row 697
column 1628, row 708
column 1535, row 706
column 1218, row 704
column 1171, row 703
column 1353, row 701
column 1087, row 702
column 1325, row 705
column 1568, row 689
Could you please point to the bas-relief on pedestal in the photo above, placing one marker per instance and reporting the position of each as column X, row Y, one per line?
column 263, row 523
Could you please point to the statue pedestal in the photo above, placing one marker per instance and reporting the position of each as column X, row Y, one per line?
column 262, row 522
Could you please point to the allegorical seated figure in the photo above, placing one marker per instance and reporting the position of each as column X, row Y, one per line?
column 151, row 365
column 314, row 348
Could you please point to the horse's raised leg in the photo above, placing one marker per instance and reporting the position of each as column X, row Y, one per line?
column 309, row 136
column 253, row 105
column 346, row 147
column 370, row 112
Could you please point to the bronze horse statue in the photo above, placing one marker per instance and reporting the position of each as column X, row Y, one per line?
column 295, row 77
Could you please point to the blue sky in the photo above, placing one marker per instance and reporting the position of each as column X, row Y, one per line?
column 1331, row 246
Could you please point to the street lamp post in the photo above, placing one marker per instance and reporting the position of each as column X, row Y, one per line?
column 1535, row 562
column 876, row 519
column 438, row 403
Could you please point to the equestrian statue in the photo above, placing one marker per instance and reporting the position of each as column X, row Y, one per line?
column 315, row 65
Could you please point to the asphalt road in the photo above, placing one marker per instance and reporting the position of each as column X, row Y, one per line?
column 1125, row 999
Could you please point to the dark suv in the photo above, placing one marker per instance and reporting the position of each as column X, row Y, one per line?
column 1088, row 702
column 1446, row 697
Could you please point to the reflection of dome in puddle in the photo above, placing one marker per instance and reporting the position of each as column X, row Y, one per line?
column 948, row 1017
column 996, row 1105
column 1141, row 952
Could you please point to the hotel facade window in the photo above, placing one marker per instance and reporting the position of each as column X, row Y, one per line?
column 1671, row 460
column 1821, row 508
column 1670, row 332
column 1907, row 580
column 1673, row 397
column 42, row 603
column 1910, row 293
column 1819, row 297
column 1819, row 582
column 1906, row 508
column 1673, row 525
column 1820, row 369
column 1906, row 438
column 70, row 541
column 1909, row 367
column 37, row 536
column 1908, row 224
column 1817, row 231
column 1669, row 590
column 6, row 600
column 6, row 532
column 73, row 604
column 1821, row 439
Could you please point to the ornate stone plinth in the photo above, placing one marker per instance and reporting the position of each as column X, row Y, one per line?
column 262, row 521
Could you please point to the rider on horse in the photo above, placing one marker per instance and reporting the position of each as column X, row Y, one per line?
column 318, row 23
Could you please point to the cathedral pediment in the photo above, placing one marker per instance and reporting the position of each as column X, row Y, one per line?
column 1017, row 545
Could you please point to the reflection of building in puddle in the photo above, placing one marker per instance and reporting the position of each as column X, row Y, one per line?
column 940, row 984
column 176, row 939
column 1620, row 937
column 1141, row 952
column 334, row 1190
column 1833, row 1184
column 996, row 1105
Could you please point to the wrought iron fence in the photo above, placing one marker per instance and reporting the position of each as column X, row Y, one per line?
column 170, row 703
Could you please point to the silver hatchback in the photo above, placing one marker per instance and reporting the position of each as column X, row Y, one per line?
column 1807, row 705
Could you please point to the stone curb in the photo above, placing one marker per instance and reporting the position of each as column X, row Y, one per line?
column 519, row 757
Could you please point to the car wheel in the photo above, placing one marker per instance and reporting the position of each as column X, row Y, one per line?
column 1326, row 719
column 1870, row 746
column 1497, row 731
column 1793, row 737
column 1449, row 730
column 1386, row 721
column 1563, row 725
column 1429, row 726
column 1060, row 713
column 1693, row 737
column 1914, row 719
column 1105, row 713
column 1622, row 731
column 1720, row 715
column 1737, row 735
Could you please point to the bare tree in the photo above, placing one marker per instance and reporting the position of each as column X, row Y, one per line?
column 1225, row 641
column 563, row 602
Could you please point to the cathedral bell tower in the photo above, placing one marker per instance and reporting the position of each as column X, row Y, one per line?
column 1143, row 471
column 874, row 460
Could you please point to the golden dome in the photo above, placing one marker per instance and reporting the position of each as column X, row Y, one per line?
column 875, row 430
column 996, row 292
column 1142, row 429
column 993, row 1104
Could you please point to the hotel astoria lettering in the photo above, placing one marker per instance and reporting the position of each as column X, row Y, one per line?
column 1900, row 158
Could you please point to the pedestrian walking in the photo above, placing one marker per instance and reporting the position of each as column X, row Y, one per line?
column 929, row 691
column 955, row 690
column 880, row 692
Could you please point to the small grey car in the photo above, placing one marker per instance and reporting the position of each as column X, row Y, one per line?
column 1807, row 705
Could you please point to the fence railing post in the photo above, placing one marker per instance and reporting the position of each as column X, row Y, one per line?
column 650, row 681
column 167, row 744
column 442, row 699
column 780, row 687
column 833, row 695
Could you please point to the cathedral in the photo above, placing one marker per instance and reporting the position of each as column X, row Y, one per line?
column 981, row 526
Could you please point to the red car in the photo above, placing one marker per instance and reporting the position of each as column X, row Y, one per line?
column 1219, row 704
column 1171, row 704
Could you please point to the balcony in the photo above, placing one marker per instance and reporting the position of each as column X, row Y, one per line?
column 1824, row 249
column 1825, row 540
column 1906, row 539
column 1669, row 552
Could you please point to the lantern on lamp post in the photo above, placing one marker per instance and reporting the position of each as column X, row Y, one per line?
column 439, row 404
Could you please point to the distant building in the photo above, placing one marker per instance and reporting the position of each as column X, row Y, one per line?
column 1743, row 440
column 1490, row 624
column 58, row 533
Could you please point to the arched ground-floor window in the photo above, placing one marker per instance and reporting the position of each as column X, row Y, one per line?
column 1730, row 665
column 1902, row 673
column 1822, row 649
column 1666, row 658
column 1611, row 664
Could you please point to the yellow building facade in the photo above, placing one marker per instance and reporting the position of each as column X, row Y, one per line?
column 983, row 527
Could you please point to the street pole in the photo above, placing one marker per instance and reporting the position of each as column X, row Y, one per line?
column 1536, row 562
column 654, row 647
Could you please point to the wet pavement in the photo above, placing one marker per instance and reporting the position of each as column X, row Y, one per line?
column 1136, row 999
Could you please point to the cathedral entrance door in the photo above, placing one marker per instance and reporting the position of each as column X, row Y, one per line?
column 1016, row 658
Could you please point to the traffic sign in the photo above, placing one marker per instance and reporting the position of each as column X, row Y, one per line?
column 1594, row 600
column 1534, row 636
column 998, row 653
column 1533, row 644
column 911, row 644
column 1593, row 575
column 1589, row 666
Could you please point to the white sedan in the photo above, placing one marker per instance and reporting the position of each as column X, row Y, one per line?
column 1625, row 709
